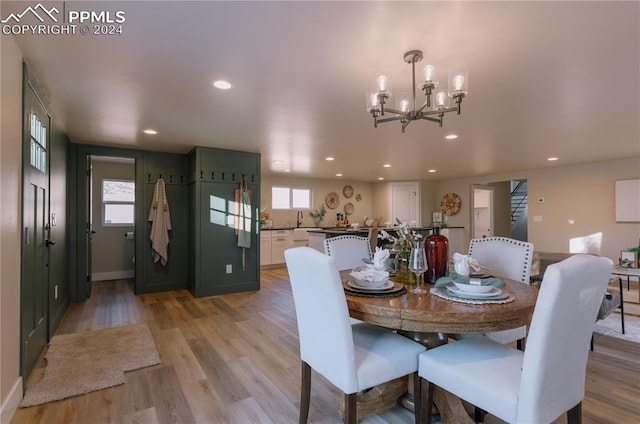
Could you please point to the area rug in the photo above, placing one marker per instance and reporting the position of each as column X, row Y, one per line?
column 85, row 362
column 611, row 326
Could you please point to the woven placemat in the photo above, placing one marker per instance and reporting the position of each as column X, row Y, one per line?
column 396, row 290
column 444, row 294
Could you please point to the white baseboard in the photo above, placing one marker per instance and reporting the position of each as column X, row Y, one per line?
column 11, row 403
column 112, row 275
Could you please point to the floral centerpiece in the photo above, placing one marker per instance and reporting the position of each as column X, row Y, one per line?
column 264, row 216
column 405, row 239
column 402, row 243
column 318, row 215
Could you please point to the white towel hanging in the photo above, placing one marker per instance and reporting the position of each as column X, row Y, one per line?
column 161, row 224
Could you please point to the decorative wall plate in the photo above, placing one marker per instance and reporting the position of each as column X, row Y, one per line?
column 348, row 208
column 450, row 204
column 358, row 197
column 332, row 200
column 347, row 191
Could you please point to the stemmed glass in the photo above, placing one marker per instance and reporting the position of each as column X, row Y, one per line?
column 418, row 265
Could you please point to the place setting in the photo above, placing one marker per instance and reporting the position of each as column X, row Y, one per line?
column 467, row 286
column 372, row 279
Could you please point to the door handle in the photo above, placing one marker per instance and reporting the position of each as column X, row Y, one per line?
column 50, row 242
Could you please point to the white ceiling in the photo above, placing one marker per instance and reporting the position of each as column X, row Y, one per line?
column 546, row 79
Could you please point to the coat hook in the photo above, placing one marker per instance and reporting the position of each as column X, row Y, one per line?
column 201, row 174
column 149, row 177
column 213, row 175
column 170, row 178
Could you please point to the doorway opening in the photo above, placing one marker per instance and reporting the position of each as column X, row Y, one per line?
column 111, row 218
column 482, row 219
column 500, row 209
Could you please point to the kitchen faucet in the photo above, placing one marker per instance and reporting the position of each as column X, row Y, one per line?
column 299, row 219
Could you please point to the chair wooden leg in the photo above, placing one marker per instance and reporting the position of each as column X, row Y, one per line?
column 351, row 408
column 305, row 393
column 574, row 415
column 417, row 397
column 478, row 414
column 424, row 414
column 520, row 344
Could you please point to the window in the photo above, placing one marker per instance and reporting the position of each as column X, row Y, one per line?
column 290, row 198
column 38, row 154
column 118, row 201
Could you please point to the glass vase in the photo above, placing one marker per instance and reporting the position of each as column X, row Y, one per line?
column 403, row 274
column 437, row 248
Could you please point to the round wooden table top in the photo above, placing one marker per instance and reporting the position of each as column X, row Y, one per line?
column 427, row 313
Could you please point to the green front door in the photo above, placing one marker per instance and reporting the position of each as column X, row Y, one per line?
column 35, row 231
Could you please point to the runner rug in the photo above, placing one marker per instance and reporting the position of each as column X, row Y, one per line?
column 84, row 362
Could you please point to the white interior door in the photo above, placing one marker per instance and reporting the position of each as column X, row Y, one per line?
column 405, row 203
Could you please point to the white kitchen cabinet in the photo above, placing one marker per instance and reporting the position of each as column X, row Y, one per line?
column 281, row 240
column 316, row 241
column 455, row 235
column 265, row 247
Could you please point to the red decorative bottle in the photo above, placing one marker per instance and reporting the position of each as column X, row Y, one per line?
column 437, row 248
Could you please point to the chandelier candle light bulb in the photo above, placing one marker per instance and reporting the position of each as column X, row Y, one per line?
column 408, row 111
column 429, row 73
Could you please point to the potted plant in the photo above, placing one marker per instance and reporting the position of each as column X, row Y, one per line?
column 318, row 215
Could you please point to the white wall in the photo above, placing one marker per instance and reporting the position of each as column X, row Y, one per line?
column 579, row 201
column 10, row 222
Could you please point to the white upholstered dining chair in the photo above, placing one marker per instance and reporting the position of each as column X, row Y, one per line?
column 507, row 258
column 353, row 357
column 548, row 378
column 348, row 250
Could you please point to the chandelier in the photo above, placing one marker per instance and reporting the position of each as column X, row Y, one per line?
column 406, row 109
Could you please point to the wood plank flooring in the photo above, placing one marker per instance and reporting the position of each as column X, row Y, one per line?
column 234, row 359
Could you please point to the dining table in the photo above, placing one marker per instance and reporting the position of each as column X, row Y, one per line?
column 432, row 319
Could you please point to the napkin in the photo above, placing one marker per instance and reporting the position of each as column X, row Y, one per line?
column 368, row 274
column 380, row 258
column 463, row 263
column 454, row 277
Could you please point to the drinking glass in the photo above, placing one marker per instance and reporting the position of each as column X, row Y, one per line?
column 418, row 265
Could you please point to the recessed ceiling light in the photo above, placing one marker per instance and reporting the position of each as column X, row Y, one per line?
column 150, row 131
column 222, row 84
column 432, row 170
column 329, row 158
column 278, row 161
column 551, row 159
column 451, row 137
column 380, row 178
column 338, row 175
column 287, row 170
column 387, row 165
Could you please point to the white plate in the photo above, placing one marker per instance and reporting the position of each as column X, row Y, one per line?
column 472, row 288
column 387, row 285
column 491, row 293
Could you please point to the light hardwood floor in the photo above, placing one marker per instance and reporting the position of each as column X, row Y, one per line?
column 234, row 359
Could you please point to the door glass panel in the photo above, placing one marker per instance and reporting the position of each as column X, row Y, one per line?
column 38, row 156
